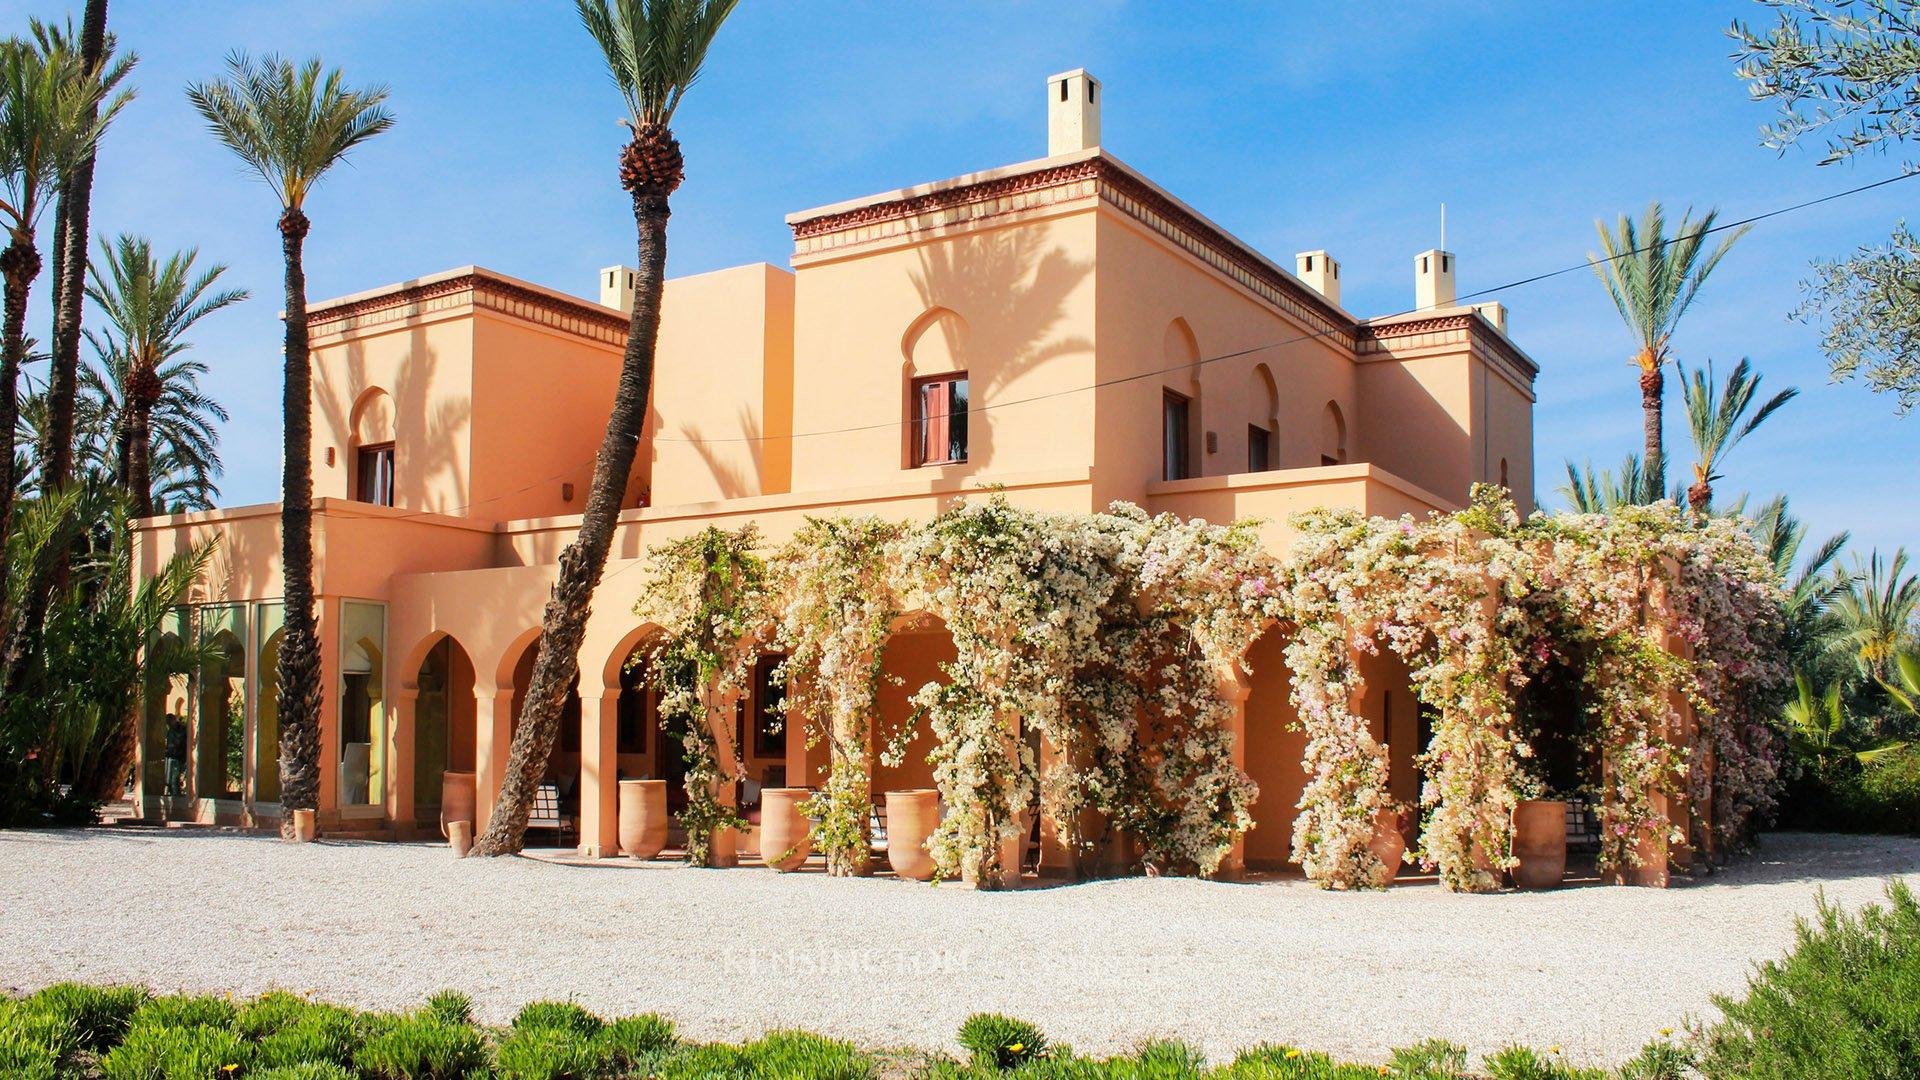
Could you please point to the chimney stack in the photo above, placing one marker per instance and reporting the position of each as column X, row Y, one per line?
column 1073, row 112
column 617, row 284
column 1320, row 272
column 1494, row 312
column 1433, row 279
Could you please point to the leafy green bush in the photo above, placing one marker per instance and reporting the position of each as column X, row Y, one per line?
column 564, row 1015
column 1846, row 796
column 97, row 1015
column 312, row 1070
column 319, row 1033
column 1001, row 1041
column 1433, row 1059
column 704, row 1062
column 1844, row 1002
column 1659, row 1060
column 270, row 1012
column 1521, row 1063
column 535, row 1052
column 451, row 1007
column 155, row 1051
column 631, row 1040
column 184, row 1010
column 803, row 1054
column 1270, row 1062
column 32, row 1043
column 421, row 1047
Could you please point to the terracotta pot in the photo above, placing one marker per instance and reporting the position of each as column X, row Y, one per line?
column 1540, row 843
column 786, row 836
column 303, row 828
column 1388, row 843
column 1007, row 857
column 460, row 838
column 456, row 799
column 911, row 818
column 643, row 818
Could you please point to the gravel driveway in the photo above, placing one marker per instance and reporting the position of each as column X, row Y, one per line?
column 729, row 953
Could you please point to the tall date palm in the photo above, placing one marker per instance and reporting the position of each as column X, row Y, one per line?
column 290, row 123
column 654, row 50
column 1718, row 420
column 1653, row 278
column 150, row 306
column 51, row 116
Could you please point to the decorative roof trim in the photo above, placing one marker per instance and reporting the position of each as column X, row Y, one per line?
column 1113, row 182
column 1452, row 328
column 478, row 289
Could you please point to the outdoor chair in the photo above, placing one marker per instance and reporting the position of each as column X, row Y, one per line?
column 548, row 813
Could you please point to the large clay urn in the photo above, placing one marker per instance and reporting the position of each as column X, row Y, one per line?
column 1540, row 843
column 1388, row 843
column 456, row 800
column 1007, row 857
column 786, row 836
column 911, row 818
column 460, row 838
column 643, row 818
column 303, row 826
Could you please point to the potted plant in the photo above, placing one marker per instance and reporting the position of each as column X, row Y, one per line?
column 643, row 818
column 786, row 834
column 1539, row 837
column 911, row 819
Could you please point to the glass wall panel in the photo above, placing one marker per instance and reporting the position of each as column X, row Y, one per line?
column 268, row 620
column 363, row 718
column 220, row 713
column 432, row 709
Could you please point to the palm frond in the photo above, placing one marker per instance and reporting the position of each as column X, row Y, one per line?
column 289, row 122
column 654, row 48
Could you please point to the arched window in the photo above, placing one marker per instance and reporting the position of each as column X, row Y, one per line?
column 373, row 441
column 1333, row 436
column 934, row 348
column 1263, row 420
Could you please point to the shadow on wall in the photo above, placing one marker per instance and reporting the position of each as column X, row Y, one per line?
column 1013, row 297
column 732, row 482
column 429, row 473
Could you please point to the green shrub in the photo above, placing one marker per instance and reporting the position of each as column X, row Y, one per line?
column 32, row 1043
column 184, row 1010
column 320, row 1033
column 549, row 1053
column 1001, row 1041
column 1291, row 1063
column 1659, row 1060
column 312, row 1070
column 97, row 1015
column 1432, row 1059
column 270, row 1012
column 1521, row 1063
column 1845, row 796
column 155, row 1051
column 451, row 1007
column 564, row 1015
column 705, row 1062
column 421, row 1047
column 1844, row 1002
column 803, row 1054
column 631, row 1040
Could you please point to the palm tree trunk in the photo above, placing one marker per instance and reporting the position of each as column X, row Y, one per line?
column 1653, row 385
column 70, row 276
column 299, row 674
column 582, row 563
column 139, row 477
column 19, row 265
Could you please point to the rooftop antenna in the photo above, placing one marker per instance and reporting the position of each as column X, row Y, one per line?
column 1443, row 226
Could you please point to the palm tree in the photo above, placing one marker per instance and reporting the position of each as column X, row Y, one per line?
column 654, row 50
column 1653, row 279
column 1874, row 612
column 51, row 115
column 1601, row 491
column 183, row 437
column 1715, row 420
column 150, row 306
column 71, row 224
column 1810, row 585
column 290, row 124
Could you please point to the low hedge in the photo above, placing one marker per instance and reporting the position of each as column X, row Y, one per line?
column 1844, row 1002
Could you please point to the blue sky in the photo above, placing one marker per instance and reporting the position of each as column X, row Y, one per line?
column 1295, row 126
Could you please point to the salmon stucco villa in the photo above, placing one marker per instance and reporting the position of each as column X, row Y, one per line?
column 1062, row 329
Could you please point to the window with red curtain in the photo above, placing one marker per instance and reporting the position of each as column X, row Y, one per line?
column 940, row 420
column 1175, row 464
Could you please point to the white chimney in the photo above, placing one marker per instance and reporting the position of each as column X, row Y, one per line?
column 1433, row 279
column 1320, row 272
column 1494, row 312
column 1073, row 112
column 616, row 287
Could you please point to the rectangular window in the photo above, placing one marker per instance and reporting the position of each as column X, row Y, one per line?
column 769, row 703
column 1259, row 449
column 373, row 475
column 1176, row 462
column 363, row 713
column 940, row 420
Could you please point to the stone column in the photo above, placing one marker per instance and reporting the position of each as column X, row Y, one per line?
column 600, row 775
column 400, row 758
column 493, row 740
